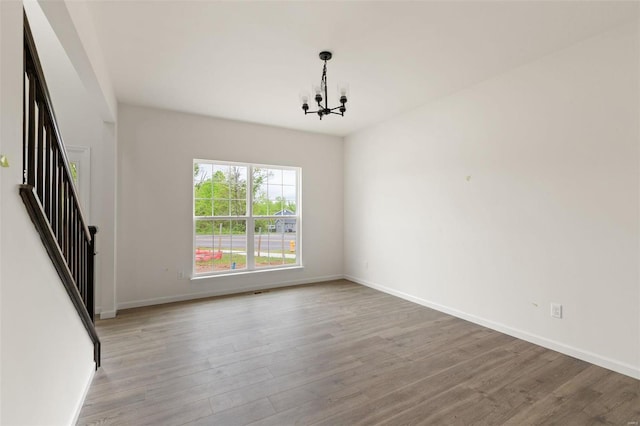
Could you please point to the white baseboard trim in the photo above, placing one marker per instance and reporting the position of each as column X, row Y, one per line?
column 107, row 314
column 605, row 362
column 213, row 293
column 85, row 392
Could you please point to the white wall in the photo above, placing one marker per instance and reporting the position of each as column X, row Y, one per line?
column 549, row 213
column 47, row 356
column 10, row 13
column 73, row 25
column 104, row 198
column 156, row 149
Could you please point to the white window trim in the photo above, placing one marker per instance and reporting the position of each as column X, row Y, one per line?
column 250, row 268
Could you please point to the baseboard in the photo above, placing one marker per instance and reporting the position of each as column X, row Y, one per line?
column 213, row 293
column 608, row 363
column 87, row 386
column 107, row 314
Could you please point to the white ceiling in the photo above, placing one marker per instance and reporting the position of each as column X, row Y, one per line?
column 250, row 60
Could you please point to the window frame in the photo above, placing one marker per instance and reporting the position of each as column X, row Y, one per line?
column 250, row 221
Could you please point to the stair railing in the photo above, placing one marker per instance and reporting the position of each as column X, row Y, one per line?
column 50, row 196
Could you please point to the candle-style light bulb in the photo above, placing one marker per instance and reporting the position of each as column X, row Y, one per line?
column 343, row 92
column 304, row 99
column 318, row 92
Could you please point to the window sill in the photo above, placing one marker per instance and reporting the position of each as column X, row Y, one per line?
column 233, row 274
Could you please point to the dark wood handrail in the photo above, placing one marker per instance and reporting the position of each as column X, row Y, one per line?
column 50, row 196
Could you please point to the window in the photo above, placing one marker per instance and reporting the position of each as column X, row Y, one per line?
column 80, row 165
column 246, row 217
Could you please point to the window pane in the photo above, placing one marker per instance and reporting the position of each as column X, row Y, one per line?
column 238, row 252
column 259, row 179
column 274, row 191
column 260, row 198
column 202, row 172
column 275, row 242
column 290, row 206
column 289, row 192
column 262, row 226
column 204, row 246
column 221, row 245
column 221, row 207
column 275, row 199
column 229, row 245
column 237, row 179
column 220, row 182
column 274, row 176
column 261, row 207
column 238, row 207
column 220, row 169
column 74, row 172
column 203, row 208
column 202, row 189
column 238, row 174
column 289, row 177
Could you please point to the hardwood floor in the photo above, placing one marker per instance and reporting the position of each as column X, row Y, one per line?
column 337, row 354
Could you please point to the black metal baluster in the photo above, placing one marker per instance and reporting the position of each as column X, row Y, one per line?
column 61, row 197
column 48, row 184
column 90, row 272
column 72, row 238
column 40, row 151
column 55, row 191
column 31, row 136
column 25, row 112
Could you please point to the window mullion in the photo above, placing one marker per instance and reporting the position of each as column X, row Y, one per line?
column 250, row 222
column 298, row 218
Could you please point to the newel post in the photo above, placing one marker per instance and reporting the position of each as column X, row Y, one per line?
column 91, row 305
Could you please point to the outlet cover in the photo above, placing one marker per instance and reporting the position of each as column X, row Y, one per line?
column 556, row 310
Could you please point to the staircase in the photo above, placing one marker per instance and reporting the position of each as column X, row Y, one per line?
column 50, row 196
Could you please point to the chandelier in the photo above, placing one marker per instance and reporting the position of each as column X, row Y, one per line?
column 322, row 89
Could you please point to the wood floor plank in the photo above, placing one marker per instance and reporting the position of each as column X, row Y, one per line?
column 468, row 399
column 340, row 384
column 564, row 402
column 419, row 387
column 177, row 415
column 278, row 384
column 337, row 353
column 238, row 416
column 615, row 404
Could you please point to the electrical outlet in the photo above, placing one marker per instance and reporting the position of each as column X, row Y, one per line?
column 366, row 264
column 181, row 275
column 556, row 310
